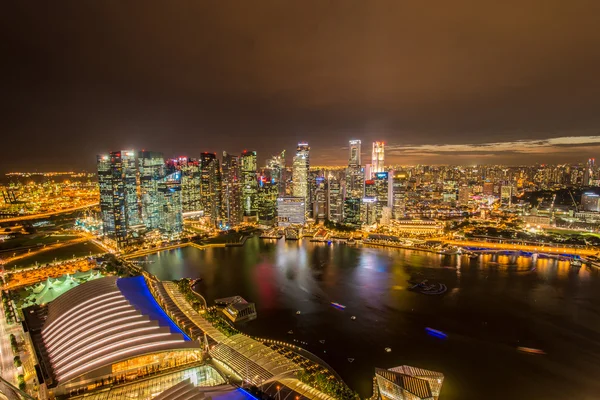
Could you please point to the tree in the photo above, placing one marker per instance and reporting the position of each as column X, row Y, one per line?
column 17, row 361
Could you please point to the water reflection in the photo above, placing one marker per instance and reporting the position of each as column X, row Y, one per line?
column 493, row 305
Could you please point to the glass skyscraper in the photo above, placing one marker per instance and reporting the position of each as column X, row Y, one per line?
column 300, row 170
column 249, row 183
column 210, row 186
column 377, row 158
column 151, row 169
column 169, row 205
column 231, row 203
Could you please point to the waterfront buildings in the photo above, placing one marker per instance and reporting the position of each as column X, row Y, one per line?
column 231, row 203
column 377, row 158
column 249, row 184
column 151, row 171
column 117, row 176
column 408, row 383
column 301, row 166
column 170, row 216
column 335, row 203
column 352, row 210
column 267, row 202
column 276, row 172
column 210, row 186
column 291, row 211
column 191, row 200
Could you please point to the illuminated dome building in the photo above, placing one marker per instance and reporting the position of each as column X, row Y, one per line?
column 102, row 332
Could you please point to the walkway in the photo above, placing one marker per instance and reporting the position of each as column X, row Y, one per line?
column 541, row 248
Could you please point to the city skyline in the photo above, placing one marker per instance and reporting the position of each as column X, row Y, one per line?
column 437, row 84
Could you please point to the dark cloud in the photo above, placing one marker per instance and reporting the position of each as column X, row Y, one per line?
column 183, row 77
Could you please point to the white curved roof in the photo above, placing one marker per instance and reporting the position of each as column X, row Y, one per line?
column 105, row 321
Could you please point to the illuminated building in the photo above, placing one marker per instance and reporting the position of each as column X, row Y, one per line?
column 381, row 192
column 320, row 211
column 118, row 194
column 237, row 309
column 169, row 205
column 368, row 211
column 103, row 330
column 300, row 170
column 352, row 212
column 231, row 204
column 210, row 186
column 590, row 202
column 464, row 195
column 488, row 189
column 151, row 167
column 399, row 183
column 291, row 211
column 589, row 172
column 335, row 203
column 249, row 183
column 317, row 192
column 377, row 158
column 276, row 169
column 267, row 202
column 354, row 159
column 191, row 200
column 506, row 194
column 408, row 383
column 355, row 182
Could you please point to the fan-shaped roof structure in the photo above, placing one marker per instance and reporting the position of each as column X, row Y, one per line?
column 103, row 322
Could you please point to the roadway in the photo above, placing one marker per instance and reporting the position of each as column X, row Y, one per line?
column 9, row 372
column 541, row 248
column 49, row 214
column 44, row 249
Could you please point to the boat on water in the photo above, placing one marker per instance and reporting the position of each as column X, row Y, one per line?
column 291, row 332
column 322, row 341
column 576, row 263
column 530, row 350
column 338, row 305
column 436, row 333
column 353, row 317
column 298, row 312
column 473, row 256
column 350, row 359
column 388, row 349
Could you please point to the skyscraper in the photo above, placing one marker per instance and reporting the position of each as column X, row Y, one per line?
column 249, row 183
column 335, row 206
column 210, row 186
column 355, row 150
column 231, row 204
column 151, row 166
column 118, row 194
column 377, row 158
column 267, row 202
column 169, row 205
column 300, row 170
column 276, row 169
column 191, row 180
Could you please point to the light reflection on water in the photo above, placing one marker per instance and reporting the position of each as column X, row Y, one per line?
column 493, row 305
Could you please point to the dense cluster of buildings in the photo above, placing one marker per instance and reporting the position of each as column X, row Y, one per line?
column 143, row 190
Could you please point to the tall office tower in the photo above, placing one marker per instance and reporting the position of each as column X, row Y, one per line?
column 118, row 194
column 352, row 212
column 355, row 149
column 320, row 204
column 170, row 218
column 267, row 202
column 300, row 170
column 231, row 190
column 190, row 181
column 210, row 186
column 276, row 169
column 588, row 173
column 377, row 158
column 399, row 185
column 381, row 193
column 590, row 202
column 335, row 203
column 249, row 183
column 464, row 195
column 316, row 181
column 151, row 166
column 368, row 210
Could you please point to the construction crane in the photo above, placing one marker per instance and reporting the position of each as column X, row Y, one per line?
column 574, row 202
column 10, row 197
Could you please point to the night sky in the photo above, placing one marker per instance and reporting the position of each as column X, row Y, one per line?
column 439, row 81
